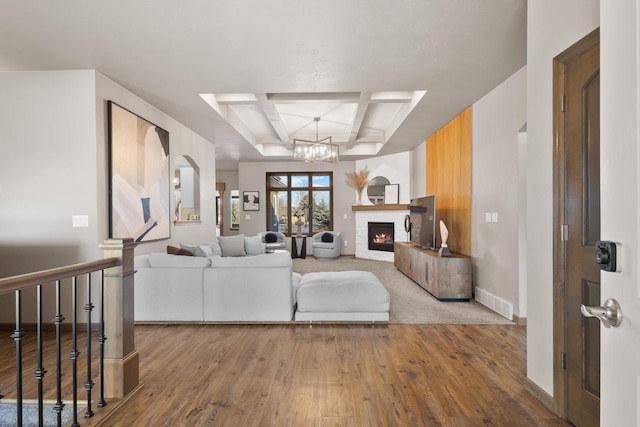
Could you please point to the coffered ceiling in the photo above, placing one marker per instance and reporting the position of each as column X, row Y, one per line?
column 251, row 76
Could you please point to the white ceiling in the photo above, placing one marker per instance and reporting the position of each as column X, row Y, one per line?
column 251, row 75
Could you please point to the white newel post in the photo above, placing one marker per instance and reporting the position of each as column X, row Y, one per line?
column 121, row 362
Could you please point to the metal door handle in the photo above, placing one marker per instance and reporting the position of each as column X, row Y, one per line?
column 610, row 314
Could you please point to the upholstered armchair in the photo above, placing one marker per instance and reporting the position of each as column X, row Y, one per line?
column 327, row 244
column 273, row 240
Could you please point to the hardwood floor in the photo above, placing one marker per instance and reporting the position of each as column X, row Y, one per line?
column 338, row 375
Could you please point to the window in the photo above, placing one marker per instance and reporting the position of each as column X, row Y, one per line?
column 300, row 199
column 235, row 209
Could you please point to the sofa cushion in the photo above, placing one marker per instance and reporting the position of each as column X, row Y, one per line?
column 327, row 237
column 278, row 259
column 253, row 245
column 270, row 237
column 194, row 249
column 215, row 247
column 232, row 245
column 166, row 260
column 141, row 261
column 172, row 250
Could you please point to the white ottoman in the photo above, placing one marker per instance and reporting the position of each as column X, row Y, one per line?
column 342, row 296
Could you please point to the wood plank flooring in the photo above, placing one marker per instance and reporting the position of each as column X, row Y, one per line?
column 329, row 375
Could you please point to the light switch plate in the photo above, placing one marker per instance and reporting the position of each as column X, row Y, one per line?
column 494, row 216
column 79, row 220
column 247, row 217
column 487, row 217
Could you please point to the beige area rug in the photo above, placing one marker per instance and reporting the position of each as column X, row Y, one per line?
column 410, row 303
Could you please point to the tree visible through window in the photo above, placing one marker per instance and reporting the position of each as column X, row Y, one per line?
column 235, row 209
column 300, row 199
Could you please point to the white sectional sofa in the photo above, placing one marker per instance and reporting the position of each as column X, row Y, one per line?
column 172, row 288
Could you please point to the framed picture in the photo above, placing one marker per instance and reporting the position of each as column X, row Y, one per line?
column 139, row 177
column 391, row 194
column 251, row 200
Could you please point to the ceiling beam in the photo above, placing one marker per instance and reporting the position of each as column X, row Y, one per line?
column 271, row 113
column 358, row 118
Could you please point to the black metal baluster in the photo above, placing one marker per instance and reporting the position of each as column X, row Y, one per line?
column 101, row 339
column 74, row 351
column 88, row 308
column 40, row 371
column 58, row 322
column 18, row 335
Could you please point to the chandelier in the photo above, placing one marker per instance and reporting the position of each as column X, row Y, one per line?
column 320, row 150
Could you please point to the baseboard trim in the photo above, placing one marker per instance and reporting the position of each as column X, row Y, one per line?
column 540, row 394
column 520, row 321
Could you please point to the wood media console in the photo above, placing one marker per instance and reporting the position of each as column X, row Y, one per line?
column 446, row 278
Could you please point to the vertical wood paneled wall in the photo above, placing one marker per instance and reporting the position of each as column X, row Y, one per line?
column 449, row 178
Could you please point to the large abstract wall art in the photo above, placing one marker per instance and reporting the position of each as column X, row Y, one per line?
column 139, row 169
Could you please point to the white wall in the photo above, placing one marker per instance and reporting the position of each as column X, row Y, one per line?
column 252, row 177
column 395, row 167
column 620, row 204
column 552, row 27
column 497, row 119
column 419, row 171
column 53, row 154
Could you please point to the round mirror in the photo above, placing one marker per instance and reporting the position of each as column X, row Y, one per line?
column 375, row 190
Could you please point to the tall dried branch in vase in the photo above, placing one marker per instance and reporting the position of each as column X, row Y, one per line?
column 359, row 181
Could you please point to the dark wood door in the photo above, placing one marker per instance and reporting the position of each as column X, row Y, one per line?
column 581, row 232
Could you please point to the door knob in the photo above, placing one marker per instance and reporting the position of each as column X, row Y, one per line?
column 610, row 314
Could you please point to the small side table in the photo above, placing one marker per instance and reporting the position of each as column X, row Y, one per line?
column 295, row 242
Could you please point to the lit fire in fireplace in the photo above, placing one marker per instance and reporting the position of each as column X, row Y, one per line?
column 382, row 238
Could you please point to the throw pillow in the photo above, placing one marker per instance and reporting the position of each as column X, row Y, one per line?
column 195, row 250
column 206, row 250
column 232, row 245
column 172, row 250
column 327, row 237
column 215, row 247
column 254, row 246
column 270, row 237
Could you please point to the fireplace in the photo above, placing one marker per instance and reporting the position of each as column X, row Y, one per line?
column 380, row 236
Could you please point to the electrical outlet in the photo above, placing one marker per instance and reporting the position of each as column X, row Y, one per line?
column 247, row 217
column 345, row 216
column 345, row 243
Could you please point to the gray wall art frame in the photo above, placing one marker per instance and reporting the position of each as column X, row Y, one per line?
column 138, row 177
column 250, row 200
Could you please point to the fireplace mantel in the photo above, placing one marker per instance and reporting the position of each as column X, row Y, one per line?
column 380, row 208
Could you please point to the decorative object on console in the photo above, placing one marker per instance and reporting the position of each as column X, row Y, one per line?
column 407, row 225
column 444, row 235
column 139, row 184
column 358, row 180
column 299, row 223
column 320, row 150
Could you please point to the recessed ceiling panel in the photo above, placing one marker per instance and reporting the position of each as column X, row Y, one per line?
column 254, row 119
column 380, row 117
